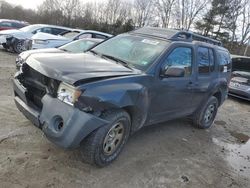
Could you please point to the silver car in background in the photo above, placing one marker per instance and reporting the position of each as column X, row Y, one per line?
column 240, row 82
column 44, row 40
column 78, row 46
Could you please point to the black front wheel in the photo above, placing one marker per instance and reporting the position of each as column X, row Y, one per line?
column 205, row 116
column 105, row 144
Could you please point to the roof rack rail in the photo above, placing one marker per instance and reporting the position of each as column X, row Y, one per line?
column 176, row 35
column 190, row 36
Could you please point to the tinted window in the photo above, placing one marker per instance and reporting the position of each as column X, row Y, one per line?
column 5, row 24
column 57, row 31
column 17, row 25
column 203, row 60
column 224, row 61
column 44, row 30
column 180, row 57
column 211, row 58
column 241, row 64
column 100, row 36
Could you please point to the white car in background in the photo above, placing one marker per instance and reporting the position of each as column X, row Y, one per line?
column 44, row 40
column 18, row 39
column 78, row 46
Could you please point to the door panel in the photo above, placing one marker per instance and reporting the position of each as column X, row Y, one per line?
column 172, row 96
column 206, row 74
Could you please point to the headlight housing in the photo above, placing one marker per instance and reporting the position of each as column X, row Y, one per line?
column 19, row 62
column 68, row 94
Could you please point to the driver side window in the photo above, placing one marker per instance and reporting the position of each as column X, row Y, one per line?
column 180, row 57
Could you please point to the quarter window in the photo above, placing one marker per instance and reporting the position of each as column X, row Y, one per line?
column 211, row 56
column 224, row 61
column 181, row 57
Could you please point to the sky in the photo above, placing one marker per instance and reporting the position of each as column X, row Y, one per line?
column 32, row 4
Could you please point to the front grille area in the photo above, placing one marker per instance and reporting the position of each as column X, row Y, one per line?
column 37, row 85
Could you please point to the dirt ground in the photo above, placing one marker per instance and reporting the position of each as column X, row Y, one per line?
column 172, row 154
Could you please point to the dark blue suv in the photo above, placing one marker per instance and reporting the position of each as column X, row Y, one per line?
column 96, row 100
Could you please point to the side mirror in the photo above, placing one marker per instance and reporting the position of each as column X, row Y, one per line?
column 172, row 71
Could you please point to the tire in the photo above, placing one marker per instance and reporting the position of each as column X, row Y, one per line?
column 5, row 46
column 205, row 116
column 18, row 46
column 102, row 147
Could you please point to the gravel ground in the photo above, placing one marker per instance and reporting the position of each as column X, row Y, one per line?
column 172, row 154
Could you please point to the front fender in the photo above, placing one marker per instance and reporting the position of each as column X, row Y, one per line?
column 132, row 97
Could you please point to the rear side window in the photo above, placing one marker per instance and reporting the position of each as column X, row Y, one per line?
column 57, row 31
column 225, row 62
column 44, row 30
column 205, row 60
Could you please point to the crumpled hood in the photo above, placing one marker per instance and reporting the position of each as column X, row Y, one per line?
column 71, row 68
column 47, row 36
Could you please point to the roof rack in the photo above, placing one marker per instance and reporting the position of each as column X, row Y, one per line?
column 176, row 35
column 190, row 36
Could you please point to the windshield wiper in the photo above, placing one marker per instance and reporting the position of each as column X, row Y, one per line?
column 64, row 50
column 94, row 52
column 124, row 63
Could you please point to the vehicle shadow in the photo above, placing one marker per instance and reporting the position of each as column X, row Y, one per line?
column 239, row 100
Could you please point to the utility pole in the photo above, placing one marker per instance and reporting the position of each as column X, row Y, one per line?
column 246, row 49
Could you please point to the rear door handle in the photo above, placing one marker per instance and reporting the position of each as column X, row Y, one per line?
column 191, row 85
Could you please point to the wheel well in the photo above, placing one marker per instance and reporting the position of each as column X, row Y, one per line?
column 218, row 96
column 136, row 118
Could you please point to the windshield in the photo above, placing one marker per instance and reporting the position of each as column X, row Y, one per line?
column 30, row 28
column 78, row 46
column 71, row 34
column 139, row 52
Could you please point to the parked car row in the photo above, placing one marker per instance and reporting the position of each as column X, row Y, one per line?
column 86, row 92
column 44, row 36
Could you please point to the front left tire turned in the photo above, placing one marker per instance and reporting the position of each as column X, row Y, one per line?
column 105, row 144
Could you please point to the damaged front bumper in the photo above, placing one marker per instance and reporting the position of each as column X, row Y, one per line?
column 64, row 125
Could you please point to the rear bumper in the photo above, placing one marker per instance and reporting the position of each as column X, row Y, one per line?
column 62, row 124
